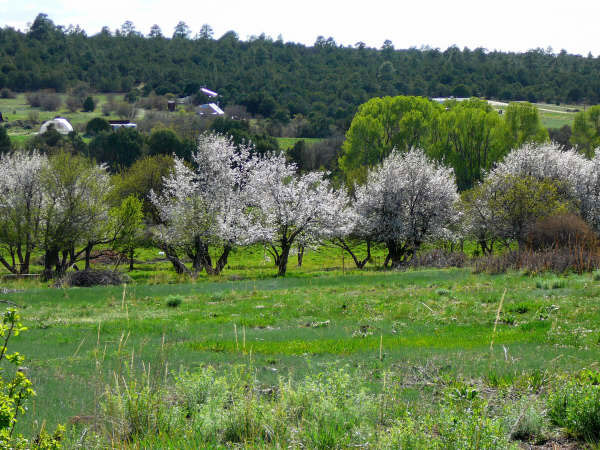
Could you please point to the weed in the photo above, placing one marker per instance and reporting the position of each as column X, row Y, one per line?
column 575, row 406
column 173, row 301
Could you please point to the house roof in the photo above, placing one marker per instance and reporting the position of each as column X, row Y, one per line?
column 210, row 108
column 209, row 93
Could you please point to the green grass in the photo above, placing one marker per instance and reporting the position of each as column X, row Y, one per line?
column 285, row 143
column 18, row 109
column 311, row 321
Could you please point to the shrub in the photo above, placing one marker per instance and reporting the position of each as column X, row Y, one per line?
column 96, row 126
column 173, row 301
column 89, row 104
column 559, row 260
column 7, row 93
column 88, row 278
column 560, row 231
column 14, row 393
column 575, row 406
column 48, row 101
column 72, row 103
column 438, row 258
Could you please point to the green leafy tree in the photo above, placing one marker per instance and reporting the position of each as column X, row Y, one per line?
column 119, row 149
column 586, row 131
column 144, row 176
column 88, row 104
column 523, row 125
column 164, row 141
column 469, row 140
column 382, row 124
column 517, row 202
column 96, row 126
column 129, row 218
column 5, row 144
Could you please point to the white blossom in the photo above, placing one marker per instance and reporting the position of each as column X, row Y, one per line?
column 405, row 201
column 287, row 207
column 205, row 205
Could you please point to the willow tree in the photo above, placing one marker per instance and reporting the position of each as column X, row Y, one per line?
column 382, row 124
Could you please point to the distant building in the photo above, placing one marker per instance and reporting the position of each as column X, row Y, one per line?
column 209, row 109
column 116, row 124
column 60, row 124
column 209, row 93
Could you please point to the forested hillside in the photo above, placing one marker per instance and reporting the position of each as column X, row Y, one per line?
column 276, row 79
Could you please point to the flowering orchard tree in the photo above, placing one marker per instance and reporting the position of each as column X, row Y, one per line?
column 75, row 210
column 286, row 207
column 21, row 197
column 204, row 206
column 405, row 201
column 578, row 177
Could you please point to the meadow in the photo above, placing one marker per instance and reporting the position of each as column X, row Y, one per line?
column 419, row 340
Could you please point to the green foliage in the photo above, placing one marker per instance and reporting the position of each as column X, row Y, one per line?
column 470, row 136
column 173, row 301
column 518, row 202
column 119, row 149
column 470, row 140
column 127, row 219
column 163, row 141
column 382, row 124
column 523, row 125
column 324, row 410
column 96, row 126
column 144, row 175
column 575, row 406
column 586, row 131
column 15, row 391
column 5, row 144
column 88, row 104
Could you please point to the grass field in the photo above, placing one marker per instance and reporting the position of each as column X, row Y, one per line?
column 423, row 331
column 285, row 143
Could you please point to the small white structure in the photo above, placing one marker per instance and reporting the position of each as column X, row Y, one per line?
column 210, row 109
column 209, row 93
column 60, row 124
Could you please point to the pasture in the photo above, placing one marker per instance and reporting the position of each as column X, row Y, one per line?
column 415, row 333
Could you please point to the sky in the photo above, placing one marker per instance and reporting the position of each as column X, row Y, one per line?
column 508, row 25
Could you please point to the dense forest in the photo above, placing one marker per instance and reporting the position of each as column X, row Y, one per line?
column 278, row 80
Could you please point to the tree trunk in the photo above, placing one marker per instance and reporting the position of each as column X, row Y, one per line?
column 174, row 259
column 50, row 261
column 300, row 255
column 397, row 254
column 131, row 253
column 222, row 262
column 360, row 263
column 88, row 255
column 283, row 259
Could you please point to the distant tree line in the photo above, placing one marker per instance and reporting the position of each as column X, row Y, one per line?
column 319, row 86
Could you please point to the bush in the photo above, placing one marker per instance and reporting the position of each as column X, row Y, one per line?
column 558, row 260
column 89, row 105
column 438, row 258
column 96, row 126
column 88, row 278
column 15, row 392
column 48, row 101
column 173, row 301
column 561, row 231
column 72, row 103
column 575, row 406
column 7, row 93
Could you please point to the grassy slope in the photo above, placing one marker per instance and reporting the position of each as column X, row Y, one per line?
column 80, row 338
